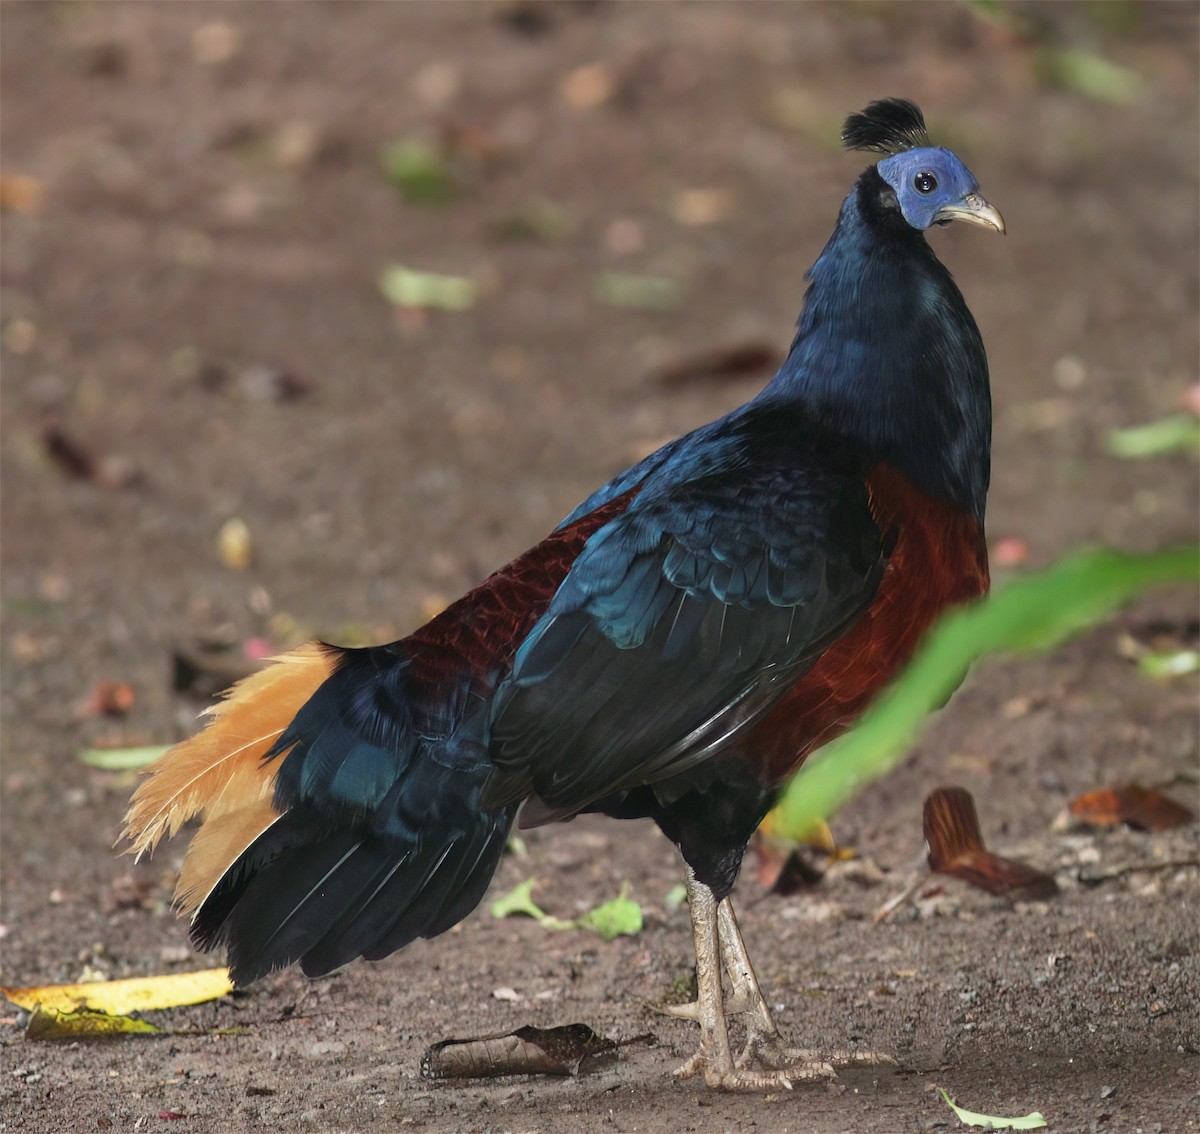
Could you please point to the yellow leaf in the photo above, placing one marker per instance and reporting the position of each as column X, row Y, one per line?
column 234, row 546
column 121, row 997
column 51, row 1025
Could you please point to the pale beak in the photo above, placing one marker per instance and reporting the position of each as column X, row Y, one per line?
column 975, row 209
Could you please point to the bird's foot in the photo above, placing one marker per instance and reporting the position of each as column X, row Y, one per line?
column 767, row 1063
column 734, row 1077
column 801, row 1065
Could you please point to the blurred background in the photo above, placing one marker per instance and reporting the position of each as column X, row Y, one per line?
column 313, row 314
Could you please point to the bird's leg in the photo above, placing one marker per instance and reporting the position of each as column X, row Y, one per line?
column 714, row 1057
column 719, row 945
column 761, row 1032
column 764, row 1044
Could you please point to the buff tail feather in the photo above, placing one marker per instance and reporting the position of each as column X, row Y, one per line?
column 222, row 775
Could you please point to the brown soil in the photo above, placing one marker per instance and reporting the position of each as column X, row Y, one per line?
column 189, row 237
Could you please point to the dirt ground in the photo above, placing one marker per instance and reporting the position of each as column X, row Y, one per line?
column 194, row 304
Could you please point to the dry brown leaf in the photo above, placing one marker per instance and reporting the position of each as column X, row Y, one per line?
column 732, row 360
column 110, row 699
column 20, row 194
column 588, row 86
column 956, row 848
column 234, row 546
column 1143, row 808
column 572, row 1049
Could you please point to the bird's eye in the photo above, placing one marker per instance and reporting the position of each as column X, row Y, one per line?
column 925, row 182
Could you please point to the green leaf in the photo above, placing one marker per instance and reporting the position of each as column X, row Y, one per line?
column 1170, row 663
column 519, row 901
column 407, row 287
column 990, row 10
column 649, row 293
column 121, row 759
column 1033, row 1121
column 676, row 896
column 1090, row 74
column 538, row 219
column 1033, row 612
column 419, row 171
column 1180, row 432
column 622, row 917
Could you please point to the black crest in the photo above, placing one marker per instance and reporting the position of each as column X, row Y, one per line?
column 886, row 127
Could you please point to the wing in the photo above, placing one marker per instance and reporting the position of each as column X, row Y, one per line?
column 680, row 623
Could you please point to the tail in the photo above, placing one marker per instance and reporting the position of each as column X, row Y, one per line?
column 223, row 774
column 339, row 819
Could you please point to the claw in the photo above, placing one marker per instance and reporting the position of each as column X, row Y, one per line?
column 688, row 1011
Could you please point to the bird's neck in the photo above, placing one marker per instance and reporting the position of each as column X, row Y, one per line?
column 887, row 354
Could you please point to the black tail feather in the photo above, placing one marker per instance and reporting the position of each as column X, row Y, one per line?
column 326, row 898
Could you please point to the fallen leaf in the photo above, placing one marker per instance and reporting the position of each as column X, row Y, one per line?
column 697, row 207
column 121, row 759
column 647, row 293
column 234, row 546
column 784, row 863
column 110, row 699
column 48, row 1025
column 1033, row 1121
column 589, row 86
column 733, row 360
column 215, row 42
column 956, row 848
column 20, row 193
column 676, row 896
column 1092, row 75
column 1169, row 663
column 295, row 144
column 622, row 917
column 20, row 336
column 67, row 453
column 122, row 997
column 1145, row 809
column 409, row 288
column 437, row 83
column 572, row 1049
column 538, row 219
column 1180, row 432
column 419, row 171
column 782, row 871
column 519, row 902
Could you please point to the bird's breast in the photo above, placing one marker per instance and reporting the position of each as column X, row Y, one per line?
column 939, row 560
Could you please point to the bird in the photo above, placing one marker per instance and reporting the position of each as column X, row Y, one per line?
column 673, row 650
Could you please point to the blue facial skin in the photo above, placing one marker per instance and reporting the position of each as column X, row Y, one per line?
column 926, row 181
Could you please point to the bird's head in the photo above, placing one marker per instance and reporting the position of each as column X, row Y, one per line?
column 931, row 184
